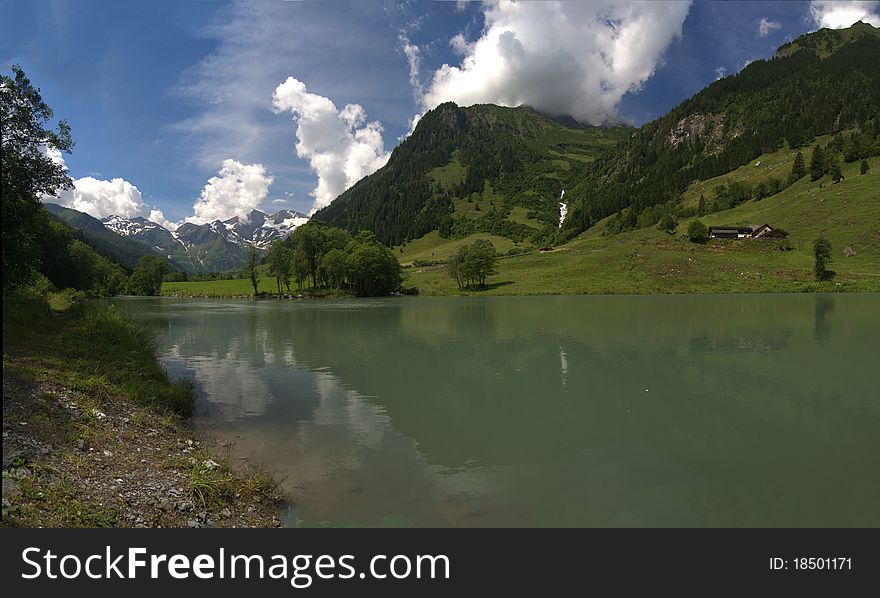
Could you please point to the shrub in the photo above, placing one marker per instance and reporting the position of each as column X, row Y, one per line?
column 668, row 224
column 697, row 232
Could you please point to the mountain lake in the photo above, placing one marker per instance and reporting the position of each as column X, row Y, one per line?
column 609, row 411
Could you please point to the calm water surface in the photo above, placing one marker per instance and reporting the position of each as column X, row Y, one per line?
column 739, row 410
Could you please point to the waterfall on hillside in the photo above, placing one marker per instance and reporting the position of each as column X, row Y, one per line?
column 563, row 208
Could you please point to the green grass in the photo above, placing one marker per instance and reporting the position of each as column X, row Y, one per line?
column 650, row 261
column 483, row 200
column 69, row 377
column 846, row 213
column 432, row 247
column 520, row 215
column 776, row 165
column 240, row 287
column 92, row 349
column 452, row 174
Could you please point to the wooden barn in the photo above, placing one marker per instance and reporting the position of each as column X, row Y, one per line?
column 753, row 231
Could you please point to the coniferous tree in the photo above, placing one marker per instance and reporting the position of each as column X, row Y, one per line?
column 798, row 169
column 836, row 175
column 822, row 253
column 864, row 167
column 817, row 163
column 701, row 207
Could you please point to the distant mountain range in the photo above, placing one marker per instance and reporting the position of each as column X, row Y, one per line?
column 193, row 248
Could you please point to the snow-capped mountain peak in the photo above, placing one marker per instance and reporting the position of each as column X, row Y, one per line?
column 215, row 246
column 128, row 226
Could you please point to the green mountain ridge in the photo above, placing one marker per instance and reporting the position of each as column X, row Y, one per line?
column 790, row 100
column 503, row 157
column 92, row 232
column 825, row 42
column 488, row 170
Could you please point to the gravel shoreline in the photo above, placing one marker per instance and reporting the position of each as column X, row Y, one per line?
column 74, row 459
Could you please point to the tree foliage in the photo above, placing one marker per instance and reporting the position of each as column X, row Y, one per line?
column 278, row 260
column 697, row 232
column 147, row 277
column 668, row 224
column 472, row 264
column 28, row 173
column 818, row 163
column 823, row 255
column 798, row 169
column 250, row 268
column 834, row 170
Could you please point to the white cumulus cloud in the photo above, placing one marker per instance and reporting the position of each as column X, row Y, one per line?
column 766, row 26
column 838, row 15
column 96, row 197
column 576, row 58
column 159, row 218
column 340, row 145
column 460, row 45
column 102, row 198
column 235, row 191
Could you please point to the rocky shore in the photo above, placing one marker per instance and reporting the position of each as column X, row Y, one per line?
column 78, row 459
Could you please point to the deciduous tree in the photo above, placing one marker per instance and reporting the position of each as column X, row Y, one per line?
column 28, row 172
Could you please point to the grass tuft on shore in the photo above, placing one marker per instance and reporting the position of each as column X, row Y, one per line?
column 96, row 438
column 108, row 354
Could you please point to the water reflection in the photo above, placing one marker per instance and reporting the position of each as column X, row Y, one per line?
column 732, row 410
column 824, row 309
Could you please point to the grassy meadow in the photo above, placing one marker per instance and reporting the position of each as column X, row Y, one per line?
column 219, row 288
column 651, row 261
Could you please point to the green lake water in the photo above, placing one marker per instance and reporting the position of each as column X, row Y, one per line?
column 732, row 410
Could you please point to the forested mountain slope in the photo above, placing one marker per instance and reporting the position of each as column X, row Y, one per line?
column 823, row 83
column 466, row 170
column 501, row 171
column 92, row 231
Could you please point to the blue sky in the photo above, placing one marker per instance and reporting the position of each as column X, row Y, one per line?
column 184, row 100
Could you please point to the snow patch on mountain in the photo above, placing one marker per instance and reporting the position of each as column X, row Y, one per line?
column 128, row 227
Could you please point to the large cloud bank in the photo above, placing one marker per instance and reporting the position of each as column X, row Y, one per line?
column 838, row 15
column 340, row 145
column 576, row 58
